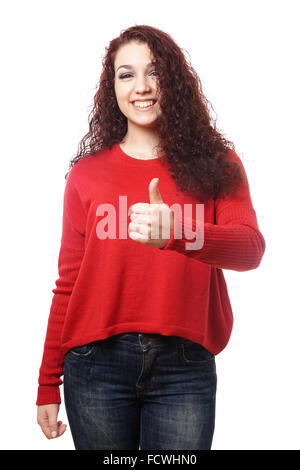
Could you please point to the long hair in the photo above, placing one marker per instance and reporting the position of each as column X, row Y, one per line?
column 197, row 153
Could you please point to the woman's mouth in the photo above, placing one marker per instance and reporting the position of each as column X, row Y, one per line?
column 143, row 105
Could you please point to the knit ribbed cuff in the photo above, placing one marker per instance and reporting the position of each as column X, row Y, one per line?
column 48, row 395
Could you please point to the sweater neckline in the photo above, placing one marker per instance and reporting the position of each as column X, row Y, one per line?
column 138, row 162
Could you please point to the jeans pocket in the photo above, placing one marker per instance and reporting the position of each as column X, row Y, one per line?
column 84, row 351
column 195, row 353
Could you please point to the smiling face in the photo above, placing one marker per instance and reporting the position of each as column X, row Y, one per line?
column 136, row 84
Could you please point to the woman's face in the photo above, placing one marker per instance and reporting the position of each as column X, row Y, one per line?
column 136, row 81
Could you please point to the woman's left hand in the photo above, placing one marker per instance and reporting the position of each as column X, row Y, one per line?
column 151, row 224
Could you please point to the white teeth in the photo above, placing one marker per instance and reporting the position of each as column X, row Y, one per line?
column 143, row 104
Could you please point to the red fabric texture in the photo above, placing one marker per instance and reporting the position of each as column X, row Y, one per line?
column 116, row 285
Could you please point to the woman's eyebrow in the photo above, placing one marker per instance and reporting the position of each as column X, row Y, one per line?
column 128, row 66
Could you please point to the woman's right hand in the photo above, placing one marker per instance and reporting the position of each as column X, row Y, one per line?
column 47, row 419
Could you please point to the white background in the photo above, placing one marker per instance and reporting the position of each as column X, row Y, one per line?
column 246, row 54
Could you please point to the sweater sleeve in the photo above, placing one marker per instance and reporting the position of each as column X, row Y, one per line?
column 69, row 261
column 233, row 242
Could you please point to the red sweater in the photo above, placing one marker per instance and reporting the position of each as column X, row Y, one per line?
column 118, row 285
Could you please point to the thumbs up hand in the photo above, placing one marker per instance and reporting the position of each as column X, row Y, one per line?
column 151, row 224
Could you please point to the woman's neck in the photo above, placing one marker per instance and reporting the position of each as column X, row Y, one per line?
column 140, row 150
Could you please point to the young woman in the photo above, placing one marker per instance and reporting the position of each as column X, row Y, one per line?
column 156, row 205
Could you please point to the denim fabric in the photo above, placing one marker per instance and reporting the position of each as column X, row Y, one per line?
column 141, row 391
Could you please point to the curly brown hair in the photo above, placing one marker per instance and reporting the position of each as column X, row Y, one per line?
column 197, row 153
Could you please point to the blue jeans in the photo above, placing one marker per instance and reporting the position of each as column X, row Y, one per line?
column 140, row 391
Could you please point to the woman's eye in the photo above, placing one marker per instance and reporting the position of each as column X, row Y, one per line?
column 125, row 75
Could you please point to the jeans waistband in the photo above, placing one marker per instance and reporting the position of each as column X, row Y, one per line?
column 144, row 338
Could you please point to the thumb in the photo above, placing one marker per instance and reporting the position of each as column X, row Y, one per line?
column 52, row 424
column 154, row 193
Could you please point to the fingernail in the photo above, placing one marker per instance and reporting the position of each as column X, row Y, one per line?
column 53, row 434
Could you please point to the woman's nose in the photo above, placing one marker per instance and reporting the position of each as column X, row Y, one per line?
column 142, row 84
